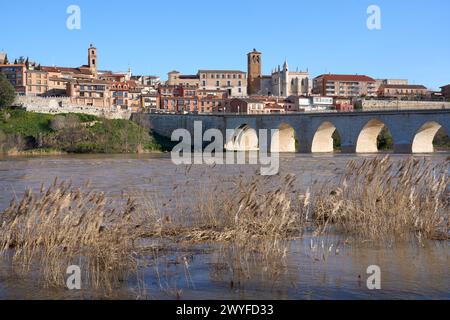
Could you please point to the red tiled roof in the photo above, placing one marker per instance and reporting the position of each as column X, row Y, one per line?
column 347, row 77
column 193, row 77
column 64, row 69
column 115, row 75
column 403, row 86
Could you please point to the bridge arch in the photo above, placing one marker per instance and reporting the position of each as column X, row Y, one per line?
column 323, row 141
column 368, row 136
column 423, row 139
column 284, row 140
column 244, row 138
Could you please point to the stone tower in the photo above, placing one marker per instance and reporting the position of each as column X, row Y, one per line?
column 92, row 59
column 254, row 72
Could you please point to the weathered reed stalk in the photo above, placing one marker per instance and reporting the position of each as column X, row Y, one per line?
column 255, row 220
column 383, row 199
column 62, row 226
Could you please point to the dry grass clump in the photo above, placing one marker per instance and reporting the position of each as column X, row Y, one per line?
column 249, row 210
column 383, row 199
column 62, row 226
column 254, row 222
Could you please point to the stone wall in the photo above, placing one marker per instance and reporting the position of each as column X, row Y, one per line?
column 57, row 105
column 403, row 105
column 412, row 131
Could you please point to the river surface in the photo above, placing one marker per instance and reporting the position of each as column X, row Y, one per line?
column 408, row 271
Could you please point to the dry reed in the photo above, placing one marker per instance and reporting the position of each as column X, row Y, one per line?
column 62, row 226
column 254, row 220
column 381, row 199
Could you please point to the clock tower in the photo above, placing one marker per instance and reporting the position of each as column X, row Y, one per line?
column 254, row 72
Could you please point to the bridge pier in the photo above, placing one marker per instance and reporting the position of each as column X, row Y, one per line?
column 348, row 148
column 403, row 148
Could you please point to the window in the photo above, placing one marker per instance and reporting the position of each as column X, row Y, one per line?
column 229, row 83
column 217, row 83
column 240, row 83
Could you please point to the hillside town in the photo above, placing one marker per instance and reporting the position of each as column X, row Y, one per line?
column 57, row 89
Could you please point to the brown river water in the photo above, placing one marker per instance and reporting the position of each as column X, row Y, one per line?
column 408, row 270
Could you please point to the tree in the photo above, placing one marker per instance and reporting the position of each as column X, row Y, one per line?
column 6, row 60
column 7, row 92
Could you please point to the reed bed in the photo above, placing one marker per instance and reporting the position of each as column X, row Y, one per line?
column 252, row 220
column 62, row 226
column 380, row 199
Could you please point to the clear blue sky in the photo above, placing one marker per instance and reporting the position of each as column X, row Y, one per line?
column 154, row 37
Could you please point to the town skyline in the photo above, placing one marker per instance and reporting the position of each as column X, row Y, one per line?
column 394, row 51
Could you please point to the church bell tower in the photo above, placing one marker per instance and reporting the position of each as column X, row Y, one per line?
column 92, row 59
column 254, row 72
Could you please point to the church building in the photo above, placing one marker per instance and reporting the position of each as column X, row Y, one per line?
column 282, row 82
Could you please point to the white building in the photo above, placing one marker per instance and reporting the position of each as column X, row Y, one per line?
column 310, row 104
column 284, row 83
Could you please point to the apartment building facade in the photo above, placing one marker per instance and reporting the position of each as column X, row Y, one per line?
column 90, row 92
column 234, row 82
column 16, row 75
column 402, row 91
column 338, row 85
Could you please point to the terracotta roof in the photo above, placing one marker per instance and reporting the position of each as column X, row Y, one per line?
column 64, row 69
column 346, row 77
column 193, row 77
column 403, row 86
column 111, row 76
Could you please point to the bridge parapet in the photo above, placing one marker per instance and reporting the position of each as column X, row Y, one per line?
column 412, row 130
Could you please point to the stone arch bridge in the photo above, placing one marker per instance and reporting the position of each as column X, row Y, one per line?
column 412, row 131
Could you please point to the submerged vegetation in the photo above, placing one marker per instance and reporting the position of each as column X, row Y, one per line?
column 251, row 224
column 23, row 132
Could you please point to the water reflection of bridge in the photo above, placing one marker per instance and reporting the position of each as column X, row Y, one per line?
column 412, row 131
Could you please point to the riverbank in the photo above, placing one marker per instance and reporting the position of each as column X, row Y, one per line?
column 27, row 133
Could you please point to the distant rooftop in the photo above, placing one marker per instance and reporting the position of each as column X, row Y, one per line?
column 347, row 77
column 187, row 77
column 65, row 69
column 403, row 86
